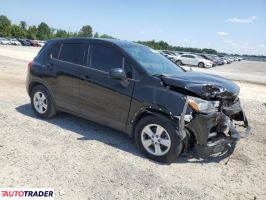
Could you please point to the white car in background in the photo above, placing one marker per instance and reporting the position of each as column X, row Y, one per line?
column 194, row 60
column 169, row 56
column 4, row 41
column 41, row 43
column 15, row 42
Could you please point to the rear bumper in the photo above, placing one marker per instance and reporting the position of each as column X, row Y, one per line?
column 216, row 132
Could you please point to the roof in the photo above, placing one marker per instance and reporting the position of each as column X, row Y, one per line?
column 121, row 43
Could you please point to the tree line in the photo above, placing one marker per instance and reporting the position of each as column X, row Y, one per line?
column 42, row 31
column 161, row 45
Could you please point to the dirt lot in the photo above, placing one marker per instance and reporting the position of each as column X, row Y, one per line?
column 83, row 160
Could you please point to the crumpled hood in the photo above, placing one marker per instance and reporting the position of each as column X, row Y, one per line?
column 205, row 85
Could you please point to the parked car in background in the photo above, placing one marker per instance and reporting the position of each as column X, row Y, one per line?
column 4, row 41
column 33, row 43
column 168, row 55
column 15, row 42
column 215, row 62
column 194, row 60
column 40, row 43
column 173, row 53
column 24, row 42
column 218, row 60
column 227, row 59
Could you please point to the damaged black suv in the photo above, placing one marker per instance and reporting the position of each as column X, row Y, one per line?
column 134, row 89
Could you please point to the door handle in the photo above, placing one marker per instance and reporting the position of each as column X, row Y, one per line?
column 49, row 65
column 87, row 78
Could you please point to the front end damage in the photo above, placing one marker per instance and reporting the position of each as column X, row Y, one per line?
column 214, row 132
column 212, row 115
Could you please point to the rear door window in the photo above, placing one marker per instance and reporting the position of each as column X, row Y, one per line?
column 72, row 52
column 55, row 51
column 105, row 58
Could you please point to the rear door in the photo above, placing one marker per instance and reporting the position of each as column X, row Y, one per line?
column 66, row 62
column 102, row 99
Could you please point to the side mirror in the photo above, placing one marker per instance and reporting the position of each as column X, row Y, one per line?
column 118, row 74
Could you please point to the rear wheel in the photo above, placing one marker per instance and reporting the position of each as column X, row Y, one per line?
column 178, row 62
column 201, row 64
column 157, row 138
column 42, row 103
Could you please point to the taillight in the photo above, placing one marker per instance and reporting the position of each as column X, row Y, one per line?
column 30, row 65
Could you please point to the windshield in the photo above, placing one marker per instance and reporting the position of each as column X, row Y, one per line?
column 152, row 61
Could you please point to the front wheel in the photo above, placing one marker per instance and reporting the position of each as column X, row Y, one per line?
column 178, row 62
column 201, row 64
column 157, row 138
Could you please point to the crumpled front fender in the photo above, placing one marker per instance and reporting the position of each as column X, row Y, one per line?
column 215, row 132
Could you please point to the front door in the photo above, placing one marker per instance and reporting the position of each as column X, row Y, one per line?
column 102, row 99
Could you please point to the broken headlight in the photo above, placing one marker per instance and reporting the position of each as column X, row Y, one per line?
column 203, row 106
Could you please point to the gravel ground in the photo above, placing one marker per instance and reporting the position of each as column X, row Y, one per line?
column 84, row 160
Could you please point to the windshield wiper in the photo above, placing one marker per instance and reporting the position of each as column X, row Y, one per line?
column 159, row 75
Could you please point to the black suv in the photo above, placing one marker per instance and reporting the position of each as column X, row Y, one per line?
column 134, row 89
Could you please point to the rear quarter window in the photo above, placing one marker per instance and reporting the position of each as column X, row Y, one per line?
column 55, row 51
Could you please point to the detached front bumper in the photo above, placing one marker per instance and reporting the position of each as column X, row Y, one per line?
column 216, row 132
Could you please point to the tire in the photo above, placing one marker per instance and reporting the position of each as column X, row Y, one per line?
column 179, row 62
column 201, row 64
column 149, row 144
column 42, row 102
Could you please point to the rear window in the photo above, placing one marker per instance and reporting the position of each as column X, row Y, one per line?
column 42, row 49
column 72, row 52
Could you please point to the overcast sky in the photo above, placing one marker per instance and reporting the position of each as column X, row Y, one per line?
column 237, row 26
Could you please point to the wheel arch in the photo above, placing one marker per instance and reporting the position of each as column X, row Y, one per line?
column 33, row 85
column 151, row 112
column 178, row 60
column 202, row 63
column 37, row 82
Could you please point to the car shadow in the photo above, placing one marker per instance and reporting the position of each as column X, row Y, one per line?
column 92, row 131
